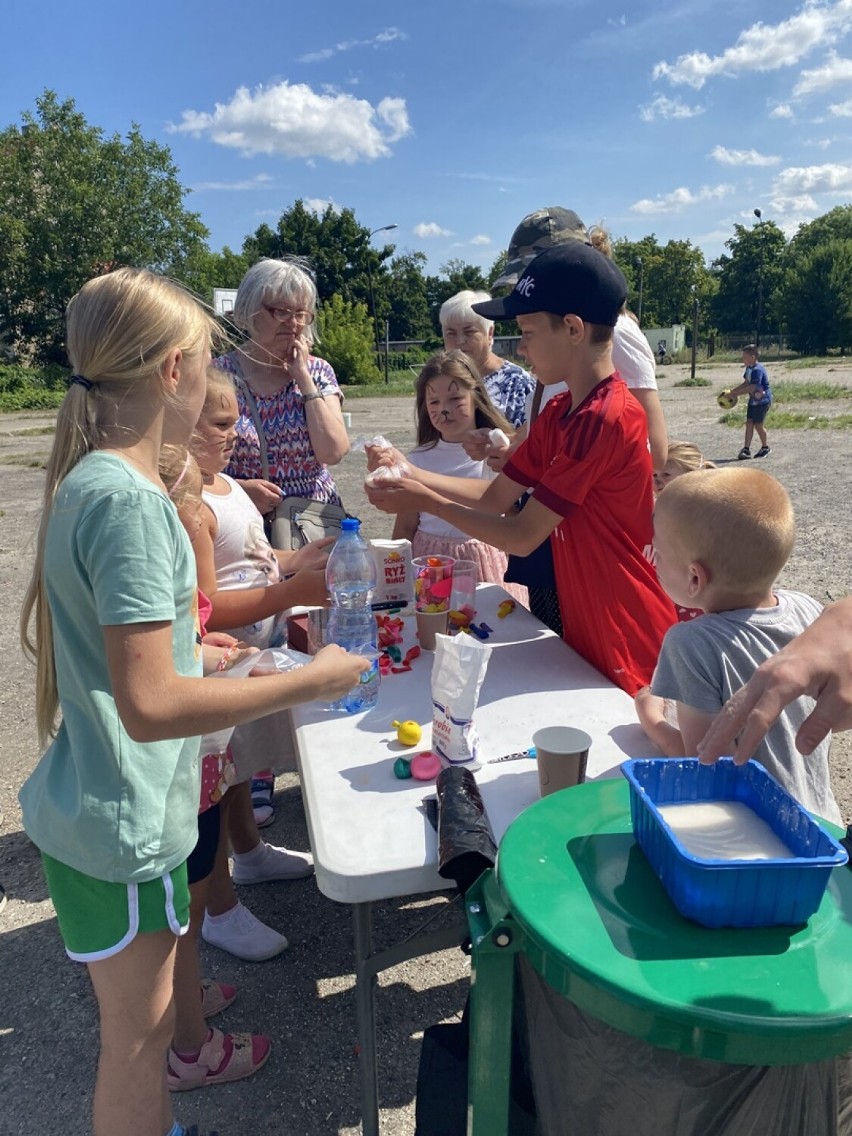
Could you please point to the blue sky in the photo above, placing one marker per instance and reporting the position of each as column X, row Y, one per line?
column 453, row 120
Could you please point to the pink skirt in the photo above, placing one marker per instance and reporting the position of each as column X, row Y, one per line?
column 490, row 561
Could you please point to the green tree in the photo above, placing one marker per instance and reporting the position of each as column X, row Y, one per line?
column 203, row 270
column 818, row 298
column 832, row 226
column 75, row 202
column 672, row 277
column 750, row 279
column 346, row 341
column 337, row 246
column 456, row 276
column 408, row 302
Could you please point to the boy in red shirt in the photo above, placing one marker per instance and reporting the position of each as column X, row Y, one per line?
column 586, row 461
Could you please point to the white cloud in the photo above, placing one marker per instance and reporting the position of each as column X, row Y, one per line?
column 783, row 110
column 616, row 22
column 480, row 239
column 726, row 157
column 799, row 204
column 257, row 182
column 662, row 107
column 842, row 110
column 319, row 205
column 389, row 35
column 764, row 47
column 833, row 177
column 430, row 229
column 295, row 121
column 833, row 72
column 679, row 199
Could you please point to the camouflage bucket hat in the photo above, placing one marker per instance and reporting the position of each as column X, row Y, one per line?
column 539, row 231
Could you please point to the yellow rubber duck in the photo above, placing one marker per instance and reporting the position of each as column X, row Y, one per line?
column 407, row 733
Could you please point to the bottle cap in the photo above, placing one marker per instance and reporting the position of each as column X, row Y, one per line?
column 350, row 524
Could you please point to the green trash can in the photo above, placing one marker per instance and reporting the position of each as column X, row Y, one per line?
column 646, row 1001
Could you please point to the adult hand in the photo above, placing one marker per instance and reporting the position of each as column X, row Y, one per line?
column 403, row 496
column 264, row 494
column 296, row 365
column 817, row 663
column 337, row 670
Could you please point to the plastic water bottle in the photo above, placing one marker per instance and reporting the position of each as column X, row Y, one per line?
column 351, row 578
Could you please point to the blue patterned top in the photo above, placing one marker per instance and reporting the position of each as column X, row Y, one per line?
column 292, row 463
column 509, row 387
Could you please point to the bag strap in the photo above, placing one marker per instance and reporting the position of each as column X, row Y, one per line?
column 258, row 425
column 536, row 401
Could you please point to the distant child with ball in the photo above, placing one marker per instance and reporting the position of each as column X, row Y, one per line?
column 756, row 385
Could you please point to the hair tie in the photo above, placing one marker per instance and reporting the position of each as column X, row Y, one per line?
column 182, row 474
column 81, row 381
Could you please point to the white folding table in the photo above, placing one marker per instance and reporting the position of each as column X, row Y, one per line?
column 370, row 834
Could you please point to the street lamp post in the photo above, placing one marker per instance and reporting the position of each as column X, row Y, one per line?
column 759, row 317
column 641, row 288
column 381, row 229
column 694, row 331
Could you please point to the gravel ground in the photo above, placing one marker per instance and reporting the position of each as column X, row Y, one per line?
column 304, row 997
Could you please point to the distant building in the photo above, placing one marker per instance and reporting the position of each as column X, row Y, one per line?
column 224, row 300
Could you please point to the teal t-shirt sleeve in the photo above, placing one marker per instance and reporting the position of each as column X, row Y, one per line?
column 123, row 544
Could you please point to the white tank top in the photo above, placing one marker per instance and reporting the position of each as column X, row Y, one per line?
column 243, row 556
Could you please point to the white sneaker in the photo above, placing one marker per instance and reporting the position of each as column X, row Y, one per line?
column 242, row 934
column 262, row 867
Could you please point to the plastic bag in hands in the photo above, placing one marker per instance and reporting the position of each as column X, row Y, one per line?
column 384, row 472
column 457, row 676
column 278, row 658
column 466, row 845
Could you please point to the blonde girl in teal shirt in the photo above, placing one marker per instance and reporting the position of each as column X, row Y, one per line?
column 110, row 621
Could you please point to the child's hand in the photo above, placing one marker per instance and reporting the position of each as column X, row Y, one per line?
column 403, row 496
column 309, row 588
column 313, row 555
column 383, row 456
column 219, row 639
column 337, row 670
column 476, row 443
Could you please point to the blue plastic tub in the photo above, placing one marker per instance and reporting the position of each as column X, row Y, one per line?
column 731, row 893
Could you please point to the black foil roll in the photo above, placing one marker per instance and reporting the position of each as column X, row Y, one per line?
column 466, row 845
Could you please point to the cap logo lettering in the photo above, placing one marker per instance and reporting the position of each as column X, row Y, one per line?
column 525, row 286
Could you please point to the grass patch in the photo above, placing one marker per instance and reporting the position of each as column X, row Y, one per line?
column 696, row 382
column 809, row 392
column 793, row 420
column 401, row 387
column 34, row 431
column 26, row 460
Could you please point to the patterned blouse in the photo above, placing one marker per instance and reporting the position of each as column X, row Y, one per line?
column 292, row 463
column 508, row 388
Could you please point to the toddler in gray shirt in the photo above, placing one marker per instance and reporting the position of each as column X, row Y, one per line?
column 721, row 538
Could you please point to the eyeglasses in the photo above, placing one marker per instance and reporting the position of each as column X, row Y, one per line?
column 284, row 315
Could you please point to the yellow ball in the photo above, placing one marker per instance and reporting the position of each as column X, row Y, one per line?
column 408, row 733
column 726, row 400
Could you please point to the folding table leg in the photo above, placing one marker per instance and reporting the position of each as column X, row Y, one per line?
column 365, row 1011
column 496, row 940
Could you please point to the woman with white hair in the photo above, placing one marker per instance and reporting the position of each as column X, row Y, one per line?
column 296, row 393
column 508, row 385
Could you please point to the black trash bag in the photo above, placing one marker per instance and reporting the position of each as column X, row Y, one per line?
column 441, row 1104
column 466, row 845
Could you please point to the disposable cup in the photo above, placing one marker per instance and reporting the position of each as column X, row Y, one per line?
column 430, row 624
column 561, row 756
column 433, row 582
column 465, row 579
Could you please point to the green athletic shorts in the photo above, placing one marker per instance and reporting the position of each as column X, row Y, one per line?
column 98, row 919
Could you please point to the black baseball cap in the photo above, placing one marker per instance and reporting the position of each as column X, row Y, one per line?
column 569, row 279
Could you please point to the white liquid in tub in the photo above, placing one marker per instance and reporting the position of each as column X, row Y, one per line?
column 723, row 830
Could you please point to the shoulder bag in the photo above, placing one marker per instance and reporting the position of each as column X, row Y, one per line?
column 296, row 521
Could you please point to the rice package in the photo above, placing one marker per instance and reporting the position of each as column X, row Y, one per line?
column 394, row 579
column 457, row 676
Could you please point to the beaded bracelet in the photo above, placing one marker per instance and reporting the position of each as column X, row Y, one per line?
column 222, row 665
